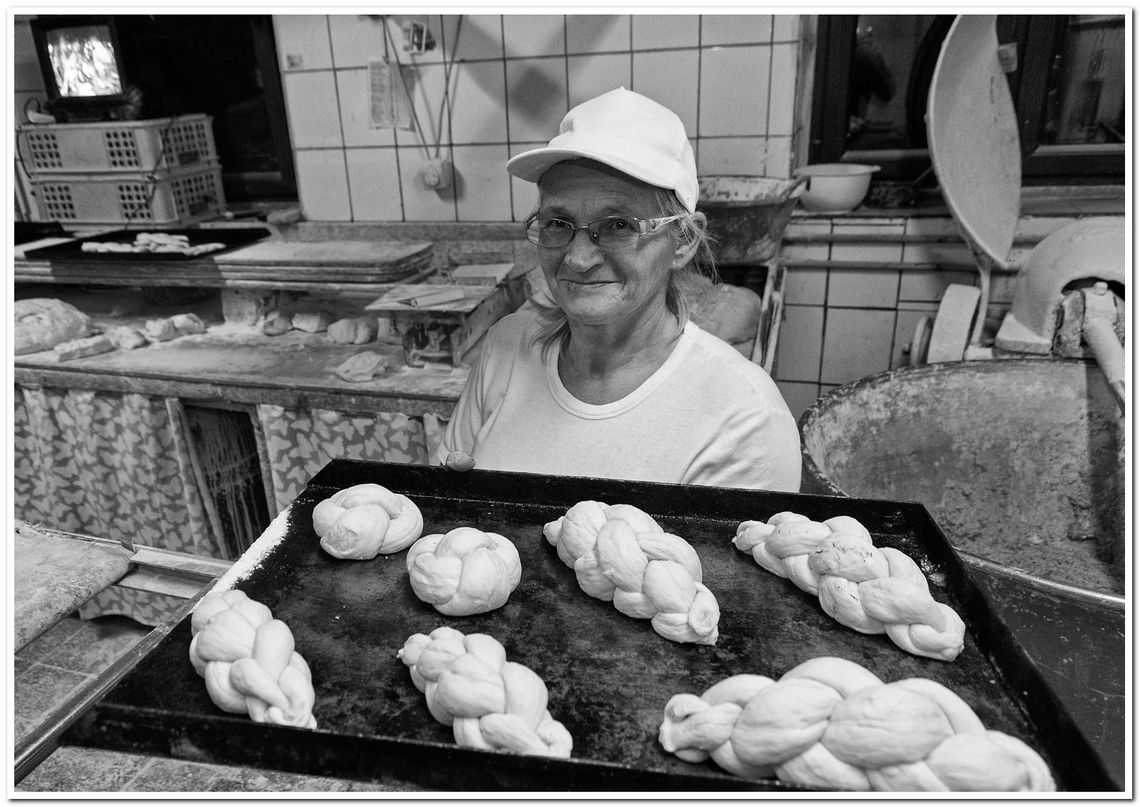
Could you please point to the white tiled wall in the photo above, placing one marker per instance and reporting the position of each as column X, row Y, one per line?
column 496, row 85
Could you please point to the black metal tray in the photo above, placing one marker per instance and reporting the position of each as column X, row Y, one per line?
column 230, row 237
column 608, row 675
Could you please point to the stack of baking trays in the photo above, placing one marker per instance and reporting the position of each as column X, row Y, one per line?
column 608, row 676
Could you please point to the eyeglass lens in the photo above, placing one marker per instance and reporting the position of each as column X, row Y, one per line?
column 608, row 232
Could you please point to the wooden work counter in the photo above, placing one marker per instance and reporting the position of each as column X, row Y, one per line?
column 240, row 364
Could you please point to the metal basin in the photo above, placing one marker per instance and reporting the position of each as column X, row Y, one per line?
column 1020, row 461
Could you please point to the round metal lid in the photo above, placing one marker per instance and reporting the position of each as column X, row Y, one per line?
column 972, row 133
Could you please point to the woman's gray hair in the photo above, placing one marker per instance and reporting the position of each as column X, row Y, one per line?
column 554, row 328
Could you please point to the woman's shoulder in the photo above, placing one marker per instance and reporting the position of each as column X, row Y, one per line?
column 720, row 361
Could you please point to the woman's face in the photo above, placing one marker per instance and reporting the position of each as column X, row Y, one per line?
column 592, row 286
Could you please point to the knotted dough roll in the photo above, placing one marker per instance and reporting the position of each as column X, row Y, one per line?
column 248, row 661
column 834, row 725
column 465, row 571
column 366, row 520
column 489, row 702
column 870, row 589
column 620, row 554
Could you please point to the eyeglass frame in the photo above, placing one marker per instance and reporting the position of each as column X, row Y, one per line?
column 644, row 227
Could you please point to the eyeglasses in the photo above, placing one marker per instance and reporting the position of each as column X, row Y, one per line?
column 608, row 232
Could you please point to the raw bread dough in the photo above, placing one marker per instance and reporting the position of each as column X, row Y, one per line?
column 620, row 554
column 248, row 661
column 489, row 702
column 44, row 322
column 366, row 520
column 870, row 589
column 465, row 571
column 832, row 724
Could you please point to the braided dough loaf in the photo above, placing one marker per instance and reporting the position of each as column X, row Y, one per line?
column 465, row 571
column 834, row 725
column 870, row 589
column 620, row 554
column 363, row 521
column 489, row 702
column 248, row 661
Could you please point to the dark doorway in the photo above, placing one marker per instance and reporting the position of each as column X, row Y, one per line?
column 225, row 66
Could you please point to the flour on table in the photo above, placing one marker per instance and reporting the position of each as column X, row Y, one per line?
column 252, row 557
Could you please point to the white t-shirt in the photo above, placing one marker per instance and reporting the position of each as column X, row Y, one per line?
column 707, row 416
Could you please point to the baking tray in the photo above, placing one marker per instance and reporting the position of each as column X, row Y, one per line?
column 231, row 237
column 608, row 675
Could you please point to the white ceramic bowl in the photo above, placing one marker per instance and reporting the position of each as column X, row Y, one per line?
column 835, row 187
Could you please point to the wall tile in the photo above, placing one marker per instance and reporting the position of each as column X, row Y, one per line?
column 786, row 28
column 798, row 396
column 870, row 225
column 666, row 31
column 425, row 85
column 358, row 39
column 478, row 114
column 923, row 285
column 355, row 113
column 322, row 184
column 932, row 226
column 798, row 348
column 732, row 155
column 734, row 91
column 524, row 195
column 480, row 37
column 939, row 254
column 735, row 29
column 302, row 41
column 420, row 203
column 536, row 98
column 590, row 76
column 778, row 157
column 863, row 288
column 374, row 184
column 1037, row 227
column 804, row 252
column 906, row 324
column 856, row 343
column 311, row 104
column 870, row 252
column 597, row 33
column 805, row 286
column 782, row 103
column 484, row 184
column 670, row 78
column 534, row 34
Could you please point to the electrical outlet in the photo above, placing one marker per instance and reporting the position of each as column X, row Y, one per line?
column 435, row 175
column 294, row 61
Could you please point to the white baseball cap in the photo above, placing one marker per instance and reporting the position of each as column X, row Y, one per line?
column 626, row 131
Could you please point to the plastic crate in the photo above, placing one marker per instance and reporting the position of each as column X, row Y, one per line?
column 145, row 145
column 176, row 197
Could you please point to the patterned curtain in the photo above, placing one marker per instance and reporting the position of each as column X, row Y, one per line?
column 114, row 466
column 301, row 442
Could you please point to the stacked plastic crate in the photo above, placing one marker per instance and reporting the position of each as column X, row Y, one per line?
column 163, row 171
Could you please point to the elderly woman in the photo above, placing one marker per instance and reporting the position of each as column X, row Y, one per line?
column 611, row 378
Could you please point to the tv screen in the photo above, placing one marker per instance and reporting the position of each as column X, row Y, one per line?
column 83, row 61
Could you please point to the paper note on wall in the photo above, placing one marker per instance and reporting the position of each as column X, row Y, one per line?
column 387, row 99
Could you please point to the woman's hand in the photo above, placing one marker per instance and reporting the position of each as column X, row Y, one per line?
column 459, row 461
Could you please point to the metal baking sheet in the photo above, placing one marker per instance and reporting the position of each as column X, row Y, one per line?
column 229, row 237
column 609, row 676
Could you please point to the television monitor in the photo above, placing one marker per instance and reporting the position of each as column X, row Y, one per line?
column 83, row 67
